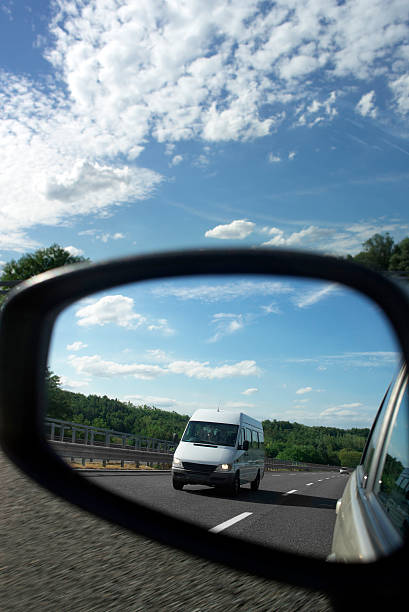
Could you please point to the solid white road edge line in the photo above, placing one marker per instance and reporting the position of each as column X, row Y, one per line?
column 230, row 522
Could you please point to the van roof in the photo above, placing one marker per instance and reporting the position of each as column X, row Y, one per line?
column 225, row 416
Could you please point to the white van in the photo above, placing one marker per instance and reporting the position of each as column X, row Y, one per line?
column 220, row 449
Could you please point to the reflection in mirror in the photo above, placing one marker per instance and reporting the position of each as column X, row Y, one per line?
column 282, row 378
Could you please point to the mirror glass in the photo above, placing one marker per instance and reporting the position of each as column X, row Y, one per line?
column 283, row 378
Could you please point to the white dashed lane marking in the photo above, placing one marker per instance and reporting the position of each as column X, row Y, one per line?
column 230, row 522
column 289, row 492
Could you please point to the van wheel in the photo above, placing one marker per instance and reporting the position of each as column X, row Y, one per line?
column 256, row 482
column 235, row 487
column 177, row 484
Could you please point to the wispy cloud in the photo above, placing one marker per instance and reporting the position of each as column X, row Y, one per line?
column 364, row 359
column 303, row 390
column 311, row 297
column 226, row 324
column 224, row 291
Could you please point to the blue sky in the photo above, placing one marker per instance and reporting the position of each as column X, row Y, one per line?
column 135, row 127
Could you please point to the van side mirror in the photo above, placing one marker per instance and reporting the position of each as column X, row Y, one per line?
column 245, row 445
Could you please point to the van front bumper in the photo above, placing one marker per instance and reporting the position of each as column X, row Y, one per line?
column 212, row 479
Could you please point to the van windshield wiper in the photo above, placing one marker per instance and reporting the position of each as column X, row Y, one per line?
column 205, row 443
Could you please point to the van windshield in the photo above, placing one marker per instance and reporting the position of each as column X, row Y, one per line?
column 220, row 434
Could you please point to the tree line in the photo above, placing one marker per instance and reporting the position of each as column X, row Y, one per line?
column 381, row 253
column 283, row 440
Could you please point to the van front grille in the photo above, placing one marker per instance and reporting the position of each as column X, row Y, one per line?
column 199, row 468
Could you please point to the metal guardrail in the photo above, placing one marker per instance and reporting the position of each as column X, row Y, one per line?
column 86, row 442
column 272, row 465
column 77, row 433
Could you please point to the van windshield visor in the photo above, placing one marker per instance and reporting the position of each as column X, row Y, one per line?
column 219, row 434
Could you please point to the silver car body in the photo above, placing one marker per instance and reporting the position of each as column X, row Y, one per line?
column 369, row 525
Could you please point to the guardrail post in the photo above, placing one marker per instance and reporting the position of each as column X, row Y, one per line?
column 92, row 437
column 52, row 431
column 73, row 434
column 108, row 439
column 62, row 433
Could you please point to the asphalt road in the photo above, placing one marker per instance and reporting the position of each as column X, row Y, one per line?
column 54, row 556
column 293, row 511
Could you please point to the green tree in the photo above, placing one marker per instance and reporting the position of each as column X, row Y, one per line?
column 57, row 402
column 377, row 252
column 41, row 260
column 400, row 257
column 349, row 457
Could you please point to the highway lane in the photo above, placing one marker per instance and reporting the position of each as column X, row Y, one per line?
column 293, row 511
column 54, row 556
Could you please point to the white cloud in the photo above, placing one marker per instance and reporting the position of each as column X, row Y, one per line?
column 303, row 390
column 236, row 230
column 95, row 365
column 366, row 105
column 400, row 89
column 310, row 237
column 249, row 391
column 274, row 159
column 126, row 73
column 292, row 155
column 119, row 310
column 343, row 410
column 162, row 326
column 196, row 369
column 102, row 236
column 271, row 309
column 68, row 383
column 158, row 355
column 76, row 346
column 364, row 359
column 309, row 298
column 72, row 250
column 224, row 291
column 152, row 400
column 17, row 241
column 226, row 324
column 176, row 160
column 110, row 309
column 335, row 240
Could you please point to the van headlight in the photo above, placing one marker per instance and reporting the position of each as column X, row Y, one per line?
column 177, row 463
column 224, row 467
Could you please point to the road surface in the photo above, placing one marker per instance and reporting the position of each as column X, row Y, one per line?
column 294, row 511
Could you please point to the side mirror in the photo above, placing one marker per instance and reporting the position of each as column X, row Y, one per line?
column 245, row 445
column 30, row 316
